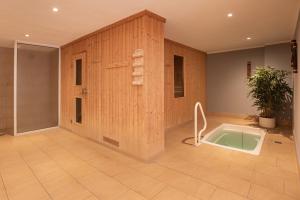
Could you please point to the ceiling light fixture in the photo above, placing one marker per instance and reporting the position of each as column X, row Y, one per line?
column 248, row 38
column 54, row 9
column 27, row 35
column 229, row 15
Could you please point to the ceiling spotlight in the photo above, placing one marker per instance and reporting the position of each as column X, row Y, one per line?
column 27, row 35
column 229, row 15
column 248, row 38
column 55, row 9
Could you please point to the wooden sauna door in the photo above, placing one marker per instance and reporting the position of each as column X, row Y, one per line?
column 80, row 93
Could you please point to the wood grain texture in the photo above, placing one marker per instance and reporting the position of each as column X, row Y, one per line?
column 120, row 22
column 180, row 110
column 116, row 109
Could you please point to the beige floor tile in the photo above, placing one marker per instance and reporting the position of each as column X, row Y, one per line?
column 287, row 157
column 21, row 184
column 144, row 185
column 290, row 176
column 187, row 184
column 284, row 148
column 47, row 170
column 232, row 184
column 62, row 186
column 288, row 165
column 150, row 169
column 292, row 188
column 10, row 160
column 58, row 183
column 177, row 163
column 107, row 166
column 3, row 193
column 204, row 173
column 268, row 169
column 242, row 160
column 66, row 166
column 92, row 198
column 73, row 166
column 68, row 191
column 221, row 194
column 240, row 172
column 270, row 182
column 172, row 194
column 217, row 164
column 78, row 169
column 103, row 186
column 260, row 193
column 131, row 195
column 225, row 181
column 269, row 159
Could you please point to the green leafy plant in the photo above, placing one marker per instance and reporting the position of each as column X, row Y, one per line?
column 270, row 91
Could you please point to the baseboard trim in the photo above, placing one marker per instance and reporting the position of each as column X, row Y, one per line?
column 36, row 131
column 178, row 125
column 233, row 115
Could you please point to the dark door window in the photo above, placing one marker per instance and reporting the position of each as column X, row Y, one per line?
column 178, row 77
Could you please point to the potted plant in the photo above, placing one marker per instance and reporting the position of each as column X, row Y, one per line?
column 271, row 92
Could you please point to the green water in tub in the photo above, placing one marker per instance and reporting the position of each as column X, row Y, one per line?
column 235, row 139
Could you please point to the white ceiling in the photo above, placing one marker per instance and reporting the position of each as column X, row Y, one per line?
column 202, row 24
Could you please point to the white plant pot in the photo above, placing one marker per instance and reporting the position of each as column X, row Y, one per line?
column 267, row 122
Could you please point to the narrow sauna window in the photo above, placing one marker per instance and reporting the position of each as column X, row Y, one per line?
column 78, row 72
column 178, row 77
column 78, row 107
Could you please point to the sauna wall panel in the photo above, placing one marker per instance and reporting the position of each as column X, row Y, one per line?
column 180, row 110
column 154, row 85
column 115, row 110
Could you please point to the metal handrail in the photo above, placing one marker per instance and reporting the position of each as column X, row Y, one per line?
column 198, row 134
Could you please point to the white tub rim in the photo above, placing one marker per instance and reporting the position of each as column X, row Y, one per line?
column 247, row 129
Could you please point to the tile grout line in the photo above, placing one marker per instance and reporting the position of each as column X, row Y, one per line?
column 180, row 172
column 63, row 169
column 150, row 176
column 59, row 145
column 6, row 193
column 216, row 186
column 113, row 177
column 94, row 150
column 284, row 190
column 212, row 194
column 34, row 174
column 251, row 186
column 171, row 188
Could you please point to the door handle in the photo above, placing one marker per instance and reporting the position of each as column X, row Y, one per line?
column 84, row 91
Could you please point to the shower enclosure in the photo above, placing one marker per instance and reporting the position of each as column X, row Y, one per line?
column 36, row 87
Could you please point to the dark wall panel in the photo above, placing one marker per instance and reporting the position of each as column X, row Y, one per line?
column 6, row 89
column 37, row 88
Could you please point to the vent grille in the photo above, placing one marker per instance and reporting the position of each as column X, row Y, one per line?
column 111, row 141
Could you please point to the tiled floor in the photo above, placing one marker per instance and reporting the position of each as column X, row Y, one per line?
column 57, row 164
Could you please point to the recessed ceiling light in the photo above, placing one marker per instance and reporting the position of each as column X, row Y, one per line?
column 54, row 9
column 248, row 38
column 229, row 15
column 27, row 35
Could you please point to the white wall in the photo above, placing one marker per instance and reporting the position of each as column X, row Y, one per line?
column 226, row 81
column 279, row 56
column 226, row 75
